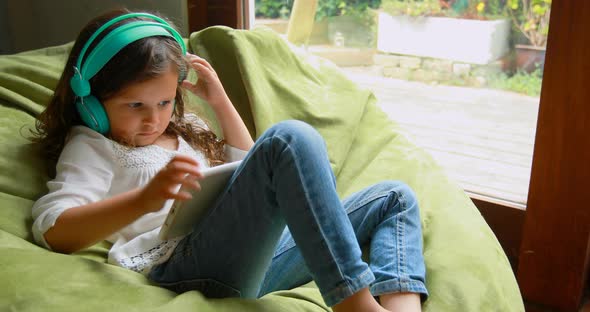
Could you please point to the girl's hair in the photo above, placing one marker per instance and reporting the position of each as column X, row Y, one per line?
column 141, row 60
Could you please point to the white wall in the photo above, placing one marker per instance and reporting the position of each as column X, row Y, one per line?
column 33, row 24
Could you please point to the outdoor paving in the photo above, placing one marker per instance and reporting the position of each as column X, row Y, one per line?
column 482, row 137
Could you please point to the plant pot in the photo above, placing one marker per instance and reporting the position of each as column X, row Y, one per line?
column 529, row 58
column 462, row 40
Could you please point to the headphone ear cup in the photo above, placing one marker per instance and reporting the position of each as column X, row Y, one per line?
column 80, row 86
column 93, row 114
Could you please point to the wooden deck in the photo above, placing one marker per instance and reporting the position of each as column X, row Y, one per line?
column 483, row 138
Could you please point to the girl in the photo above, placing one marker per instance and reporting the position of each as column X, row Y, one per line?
column 121, row 146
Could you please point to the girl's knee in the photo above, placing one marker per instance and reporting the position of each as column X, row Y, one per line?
column 402, row 191
column 398, row 187
column 295, row 131
column 296, row 127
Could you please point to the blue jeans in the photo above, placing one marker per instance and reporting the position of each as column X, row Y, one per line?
column 243, row 249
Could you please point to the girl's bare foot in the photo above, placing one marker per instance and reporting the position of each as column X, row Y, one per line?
column 407, row 302
column 360, row 301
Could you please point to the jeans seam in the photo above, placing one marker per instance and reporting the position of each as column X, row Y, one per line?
column 284, row 249
column 400, row 237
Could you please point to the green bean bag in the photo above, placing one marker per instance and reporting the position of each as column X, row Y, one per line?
column 268, row 81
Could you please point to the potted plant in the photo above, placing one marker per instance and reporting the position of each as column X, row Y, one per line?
column 531, row 19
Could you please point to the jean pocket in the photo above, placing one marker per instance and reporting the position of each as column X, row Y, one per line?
column 210, row 288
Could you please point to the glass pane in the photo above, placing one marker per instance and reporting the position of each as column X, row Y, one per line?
column 463, row 77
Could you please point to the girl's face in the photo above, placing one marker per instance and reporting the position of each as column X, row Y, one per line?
column 140, row 113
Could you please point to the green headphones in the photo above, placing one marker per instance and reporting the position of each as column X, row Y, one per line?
column 90, row 109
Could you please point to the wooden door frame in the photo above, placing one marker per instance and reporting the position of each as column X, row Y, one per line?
column 554, row 254
column 549, row 244
column 205, row 13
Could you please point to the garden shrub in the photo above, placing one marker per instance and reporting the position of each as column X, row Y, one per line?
column 326, row 8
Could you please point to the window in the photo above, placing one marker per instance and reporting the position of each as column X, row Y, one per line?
column 462, row 78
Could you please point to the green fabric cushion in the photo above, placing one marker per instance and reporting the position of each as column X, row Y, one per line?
column 268, row 81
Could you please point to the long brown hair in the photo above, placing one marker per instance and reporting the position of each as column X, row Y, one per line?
column 139, row 61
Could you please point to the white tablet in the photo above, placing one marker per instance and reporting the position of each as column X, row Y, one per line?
column 183, row 216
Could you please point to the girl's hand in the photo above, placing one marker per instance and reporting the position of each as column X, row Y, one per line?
column 181, row 170
column 208, row 86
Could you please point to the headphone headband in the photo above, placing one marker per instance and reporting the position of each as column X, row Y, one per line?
column 116, row 40
column 108, row 24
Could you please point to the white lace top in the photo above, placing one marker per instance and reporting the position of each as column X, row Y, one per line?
column 91, row 168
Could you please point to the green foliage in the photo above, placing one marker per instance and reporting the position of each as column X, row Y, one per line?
column 326, row 8
column 521, row 82
column 273, row 8
column 531, row 18
column 471, row 9
column 477, row 9
column 412, row 7
column 356, row 8
column 495, row 7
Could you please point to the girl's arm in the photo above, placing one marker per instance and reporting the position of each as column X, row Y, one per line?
column 209, row 88
column 83, row 226
column 79, row 227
